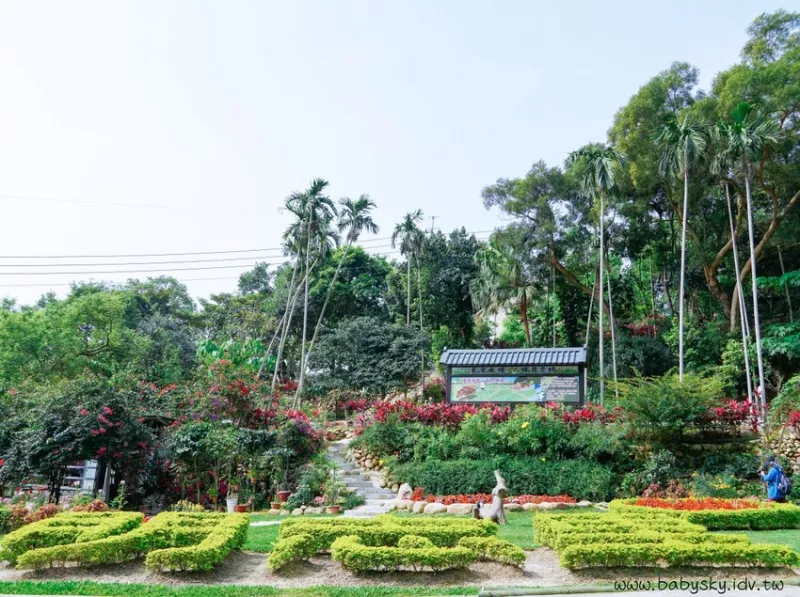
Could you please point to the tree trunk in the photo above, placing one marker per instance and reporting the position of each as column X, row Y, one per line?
column 682, row 301
column 422, row 350
column 286, row 322
column 589, row 314
column 305, row 305
column 322, row 316
column 613, row 339
column 408, row 292
column 285, row 334
column 600, row 310
column 523, row 314
column 762, row 396
column 786, row 286
column 740, row 292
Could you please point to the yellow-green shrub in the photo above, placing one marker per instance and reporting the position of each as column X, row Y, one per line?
column 352, row 554
column 769, row 516
column 494, row 550
column 676, row 553
column 387, row 530
column 290, row 549
column 67, row 528
column 414, row 542
column 211, row 535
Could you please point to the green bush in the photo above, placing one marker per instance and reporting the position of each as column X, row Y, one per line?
column 386, row 530
column 208, row 537
column 5, row 519
column 676, row 553
column 494, row 550
column 577, row 478
column 353, row 555
column 228, row 534
column 414, row 542
column 770, row 516
column 637, row 536
column 290, row 549
column 67, row 528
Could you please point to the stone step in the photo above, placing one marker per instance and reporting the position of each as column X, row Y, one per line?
column 359, row 483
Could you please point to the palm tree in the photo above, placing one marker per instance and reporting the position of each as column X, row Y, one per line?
column 409, row 236
column 502, row 281
column 598, row 178
column 682, row 145
column 310, row 232
column 354, row 218
column 747, row 136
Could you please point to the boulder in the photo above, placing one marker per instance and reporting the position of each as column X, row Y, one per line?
column 512, row 507
column 404, row 492
column 435, row 508
column 547, row 506
column 601, row 505
column 405, row 505
column 395, row 488
column 297, row 512
column 460, row 508
column 584, row 504
column 391, row 504
column 529, row 506
column 418, row 507
column 315, row 510
column 274, row 512
column 368, row 463
column 285, row 513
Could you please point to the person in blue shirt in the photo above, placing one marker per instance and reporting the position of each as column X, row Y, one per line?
column 771, row 478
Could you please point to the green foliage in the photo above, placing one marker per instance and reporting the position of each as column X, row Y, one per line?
column 367, row 354
column 539, row 476
column 769, row 516
column 386, row 530
column 786, row 401
column 356, row 557
column 291, row 549
column 414, row 542
column 494, row 550
column 666, row 408
column 171, row 540
column 635, row 536
column 67, row 528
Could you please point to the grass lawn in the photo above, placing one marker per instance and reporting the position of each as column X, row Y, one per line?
column 32, row 587
column 261, row 539
column 786, row 537
column 519, row 529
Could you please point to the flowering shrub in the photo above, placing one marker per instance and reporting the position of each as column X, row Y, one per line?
column 674, row 489
column 733, row 413
column 418, row 495
column 446, row 415
column 697, row 504
column 93, row 506
column 794, row 419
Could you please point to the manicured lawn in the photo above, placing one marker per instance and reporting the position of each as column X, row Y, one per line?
column 30, row 587
column 787, row 537
column 261, row 539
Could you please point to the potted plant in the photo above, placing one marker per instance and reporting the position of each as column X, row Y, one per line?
column 333, row 489
column 280, row 460
column 233, row 497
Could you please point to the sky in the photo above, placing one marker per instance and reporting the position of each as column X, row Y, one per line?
column 152, row 127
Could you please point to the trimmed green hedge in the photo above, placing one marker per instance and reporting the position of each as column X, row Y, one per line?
column 353, row 555
column 5, row 519
column 290, row 549
column 67, row 528
column 386, row 530
column 580, row 479
column 493, row 549
column 676, row 553
column 179, row 540
column 770, row 516
column 649, row 538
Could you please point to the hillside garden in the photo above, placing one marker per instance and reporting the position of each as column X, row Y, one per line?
column 669, row 251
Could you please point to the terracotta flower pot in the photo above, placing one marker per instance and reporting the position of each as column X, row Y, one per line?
column 283, row 496
column 334, row 509
column 276, row 505
column 240, row 508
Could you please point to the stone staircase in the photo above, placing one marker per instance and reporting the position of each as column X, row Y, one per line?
column 360, row 482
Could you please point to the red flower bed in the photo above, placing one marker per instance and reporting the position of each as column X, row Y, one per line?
column 698, row 504
column 473, row 498
column 446, row 415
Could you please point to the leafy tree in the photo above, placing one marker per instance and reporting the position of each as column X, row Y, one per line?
column 410, row 238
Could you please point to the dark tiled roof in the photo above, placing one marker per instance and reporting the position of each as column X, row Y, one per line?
column 515, row 356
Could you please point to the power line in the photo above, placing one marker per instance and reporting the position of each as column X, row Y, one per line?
column 185, row 254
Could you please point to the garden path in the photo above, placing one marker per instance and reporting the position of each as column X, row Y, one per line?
column 360, row 482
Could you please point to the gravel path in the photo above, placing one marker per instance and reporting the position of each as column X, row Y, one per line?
column 541, row 569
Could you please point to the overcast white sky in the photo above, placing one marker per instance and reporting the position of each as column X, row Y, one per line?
column 165, row 127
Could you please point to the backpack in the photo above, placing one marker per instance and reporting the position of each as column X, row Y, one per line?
column 784, row 484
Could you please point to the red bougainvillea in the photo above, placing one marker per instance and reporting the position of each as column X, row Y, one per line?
column 446, row 415
column 698, row 504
